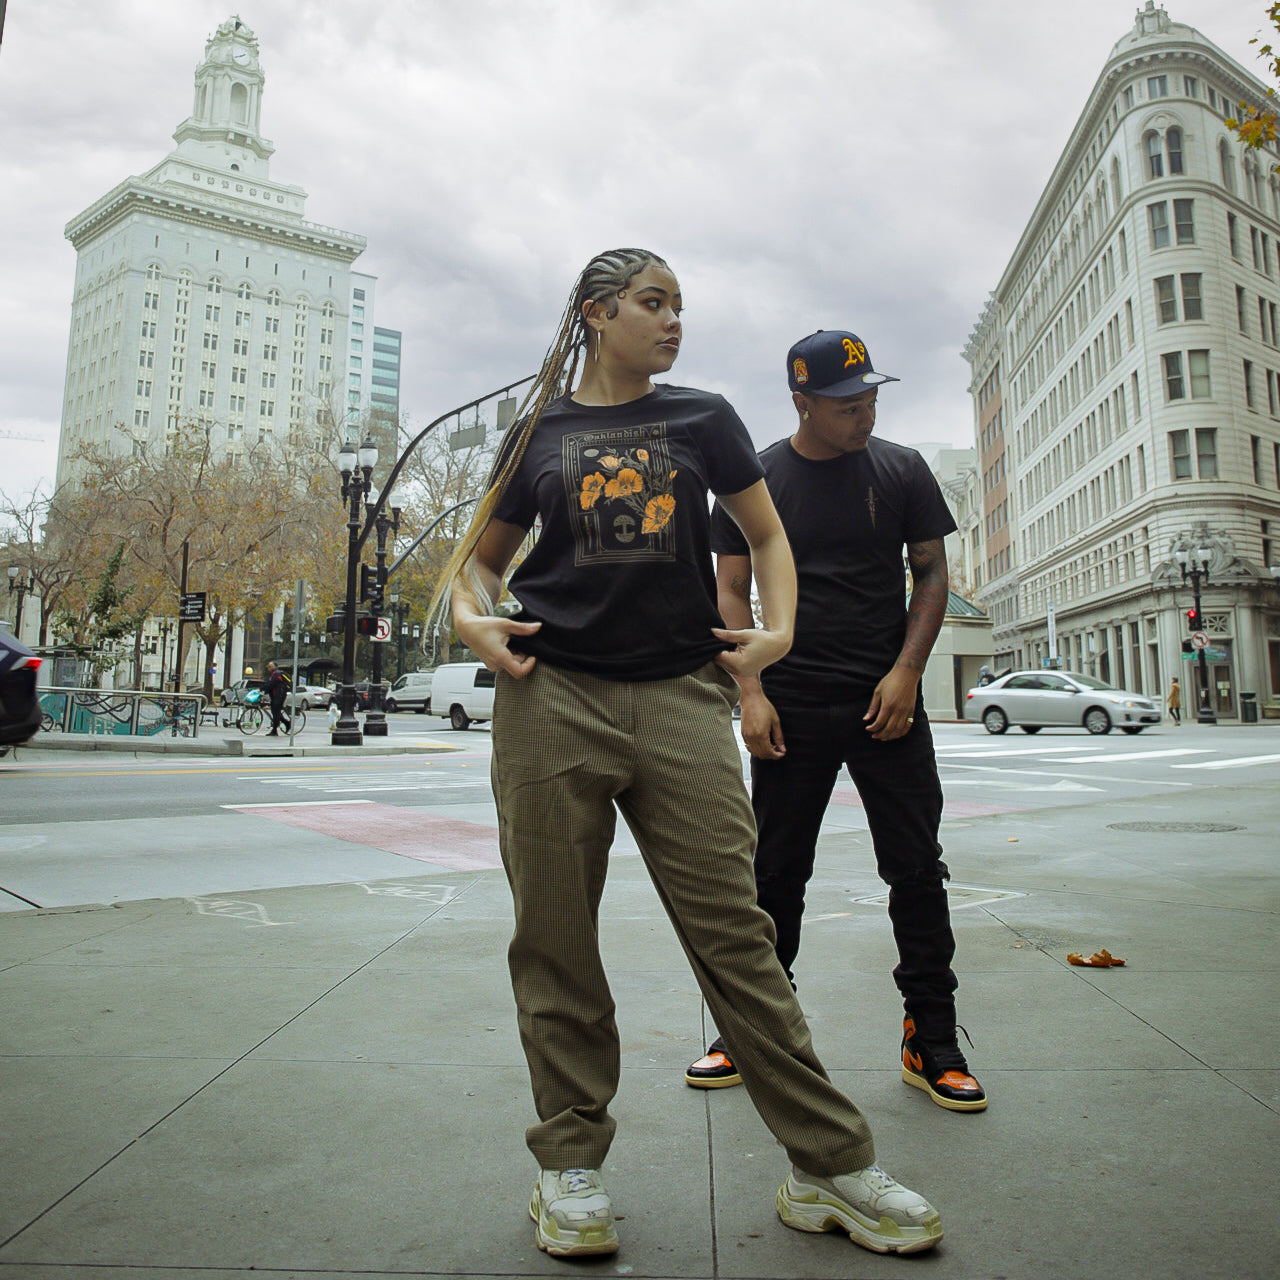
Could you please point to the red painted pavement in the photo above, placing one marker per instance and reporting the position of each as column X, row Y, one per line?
column 410, row 833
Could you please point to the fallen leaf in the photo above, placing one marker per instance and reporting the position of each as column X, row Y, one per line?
column 1099, row 960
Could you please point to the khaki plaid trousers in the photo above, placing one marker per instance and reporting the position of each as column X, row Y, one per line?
column 570, row 751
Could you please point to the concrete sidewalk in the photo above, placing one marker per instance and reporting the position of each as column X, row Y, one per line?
column 327, row 1080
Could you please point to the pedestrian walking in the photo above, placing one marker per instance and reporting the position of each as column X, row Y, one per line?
column 1174, row 699
column 614, row 694
column 847, row 695
column 984, row 676
column 277, row 691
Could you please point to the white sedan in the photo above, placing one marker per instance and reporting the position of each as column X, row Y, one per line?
column 312, row 695
column 1035, row 699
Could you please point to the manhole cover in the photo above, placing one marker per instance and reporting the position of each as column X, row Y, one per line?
column 1174, row 826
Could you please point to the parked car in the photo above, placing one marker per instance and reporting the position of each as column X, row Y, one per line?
column 19, row 704
column 462, row 692
column 312, row 695
column 1035, row 699
column 412, row 692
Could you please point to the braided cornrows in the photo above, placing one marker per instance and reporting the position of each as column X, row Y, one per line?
column 604, row 278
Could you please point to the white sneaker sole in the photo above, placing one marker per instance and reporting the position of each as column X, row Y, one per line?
column 561, row 1243
column 817, row 1212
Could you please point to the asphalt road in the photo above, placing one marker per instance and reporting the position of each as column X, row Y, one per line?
column 100, row 828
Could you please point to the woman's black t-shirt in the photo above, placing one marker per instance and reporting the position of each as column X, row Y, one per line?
column 621, row 576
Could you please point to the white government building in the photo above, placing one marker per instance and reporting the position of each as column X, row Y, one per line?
column 202, row 293
column 1126, row 387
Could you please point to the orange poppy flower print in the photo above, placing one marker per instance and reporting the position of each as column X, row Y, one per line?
column 658, row 512
column 625, row 482
column 642, row 455
column 610, row 461
column 592, row 487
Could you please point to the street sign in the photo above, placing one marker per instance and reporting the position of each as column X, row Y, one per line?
column 191, row 606
column 1199, row 640
column 383, row 633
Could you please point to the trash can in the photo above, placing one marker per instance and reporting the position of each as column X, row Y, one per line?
column 1248, row 708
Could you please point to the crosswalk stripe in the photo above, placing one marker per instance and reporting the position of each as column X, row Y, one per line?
column 1238, row 763
column 1136, row 755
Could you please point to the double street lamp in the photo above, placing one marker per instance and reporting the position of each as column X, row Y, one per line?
column 1196, row 571
column 356, row 467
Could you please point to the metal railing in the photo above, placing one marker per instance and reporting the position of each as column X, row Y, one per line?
column 124, row 712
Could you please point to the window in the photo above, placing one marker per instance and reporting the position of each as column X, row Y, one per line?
column 1174, row 387
column 1128, row 96
column 1166, row 300
column 1240, row 309
column 1227, row 166
column 1173, row 146
column 1255, row 456
column 1198, row 366
column 1157, row 86
column 1158, row 218
column 1191, row 306
column 1233, row 238
column 1155, row 156
column 1207, row 452
column 1180, row 454
column 1184, row 221
column 1248, row 384
column 1191, row 86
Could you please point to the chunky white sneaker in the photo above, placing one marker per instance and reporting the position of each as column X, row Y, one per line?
column 573, row 1213
column 877, row 1212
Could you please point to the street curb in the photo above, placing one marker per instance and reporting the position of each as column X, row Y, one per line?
column 239, row 747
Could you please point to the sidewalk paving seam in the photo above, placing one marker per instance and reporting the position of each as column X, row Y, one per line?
column 49, row 1208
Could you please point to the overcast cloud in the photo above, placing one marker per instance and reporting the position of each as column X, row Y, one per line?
column 801, row 164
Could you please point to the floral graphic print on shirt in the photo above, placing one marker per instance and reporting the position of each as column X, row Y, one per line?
column 620, row 485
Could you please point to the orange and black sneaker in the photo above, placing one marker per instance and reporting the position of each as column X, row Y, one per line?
column 941, row 1071
column 714, row 1070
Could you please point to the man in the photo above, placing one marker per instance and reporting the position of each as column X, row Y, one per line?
column 984, row 676
column 848, row 693
column 277, row 691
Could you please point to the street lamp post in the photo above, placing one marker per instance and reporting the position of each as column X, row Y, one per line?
column 1197, row 572
column 20, row 583
column 356, row 466
column 375, row 722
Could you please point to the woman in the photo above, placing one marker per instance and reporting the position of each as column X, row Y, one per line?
column 614, row 689
column 1175, row 700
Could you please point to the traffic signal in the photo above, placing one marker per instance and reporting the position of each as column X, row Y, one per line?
column 1193, row 619
column 366, row 625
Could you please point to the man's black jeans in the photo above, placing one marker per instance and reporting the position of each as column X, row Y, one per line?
column 902, row 798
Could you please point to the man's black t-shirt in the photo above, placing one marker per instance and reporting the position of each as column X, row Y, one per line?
column 847, row 520
column 621, row 575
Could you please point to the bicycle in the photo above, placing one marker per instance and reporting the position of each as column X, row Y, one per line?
column 253, row 716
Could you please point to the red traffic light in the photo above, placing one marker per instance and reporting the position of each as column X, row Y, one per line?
column 1193, row 619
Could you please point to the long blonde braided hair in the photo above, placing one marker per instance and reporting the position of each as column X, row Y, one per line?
column 603, row 279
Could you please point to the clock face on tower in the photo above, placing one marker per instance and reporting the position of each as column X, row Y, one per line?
column 240, row 55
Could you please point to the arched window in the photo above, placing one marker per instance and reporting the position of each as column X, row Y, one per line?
column 1101, row 194
column 239, row 103
column 1173, row 148
column 273, row 298
column 1117, row 191
column 244, row 293
column 215, row 285
column 1155, row 156
column 1227, row 165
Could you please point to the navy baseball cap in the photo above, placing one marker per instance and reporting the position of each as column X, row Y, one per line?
column 832, row 362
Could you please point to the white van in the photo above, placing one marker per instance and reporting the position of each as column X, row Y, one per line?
column 412, row 692
column 462, row 692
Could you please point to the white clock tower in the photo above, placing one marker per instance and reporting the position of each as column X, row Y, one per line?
column 223, row 128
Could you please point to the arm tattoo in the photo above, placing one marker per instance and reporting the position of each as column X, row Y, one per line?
column 928, row 608
column 740, row 585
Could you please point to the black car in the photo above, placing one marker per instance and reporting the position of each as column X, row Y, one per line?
column 19, row 705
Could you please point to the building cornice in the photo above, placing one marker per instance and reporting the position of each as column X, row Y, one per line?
column 236, row 217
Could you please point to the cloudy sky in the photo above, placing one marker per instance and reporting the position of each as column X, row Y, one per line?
column 801, row 164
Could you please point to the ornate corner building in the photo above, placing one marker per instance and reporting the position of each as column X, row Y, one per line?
column 203, row 295
column 1125, row 375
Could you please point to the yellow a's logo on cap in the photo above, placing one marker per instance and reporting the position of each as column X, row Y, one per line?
column 855, row 352
column 800, row 370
